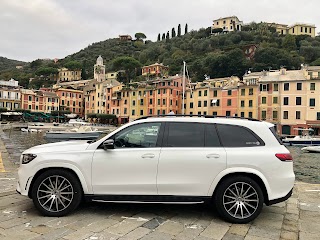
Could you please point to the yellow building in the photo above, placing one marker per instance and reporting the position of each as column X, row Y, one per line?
column 248, row 97
column 302, row 29
column 227, row 24
column 66, row 75
column 280, row 28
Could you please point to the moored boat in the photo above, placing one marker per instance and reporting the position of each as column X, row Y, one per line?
column 312, row 149
column 83, row 132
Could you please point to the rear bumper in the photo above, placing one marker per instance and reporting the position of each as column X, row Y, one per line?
column 278, row 200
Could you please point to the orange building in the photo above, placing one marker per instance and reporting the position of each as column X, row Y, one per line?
column 157, row 69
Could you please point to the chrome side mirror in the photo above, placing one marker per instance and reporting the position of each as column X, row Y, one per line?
column 108, row 144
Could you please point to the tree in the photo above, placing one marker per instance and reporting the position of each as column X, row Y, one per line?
column 140, row 36
column 73, row 65
column 128, row 64
column 83, row 71
column 167, row 36
column 46, row 71
column 289, row 42
column 163, row 36
column 36, row 63
column 173, row 33
column 179, row 30
column 186, row 29
column 159, row 37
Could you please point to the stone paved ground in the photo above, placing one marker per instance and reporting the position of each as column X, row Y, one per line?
column 297, row 218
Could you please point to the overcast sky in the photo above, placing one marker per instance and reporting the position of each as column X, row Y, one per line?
column 31, row 29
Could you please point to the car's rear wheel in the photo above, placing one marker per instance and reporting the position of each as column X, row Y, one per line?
column 239, row 199
column 56, row 192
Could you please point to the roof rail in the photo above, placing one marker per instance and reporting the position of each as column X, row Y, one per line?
column 193, row 115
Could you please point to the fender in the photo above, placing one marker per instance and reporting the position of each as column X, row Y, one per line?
column 238, row 170
column 87, row 189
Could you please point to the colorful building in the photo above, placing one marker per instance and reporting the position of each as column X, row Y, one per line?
column 10, row 96
column 66, row 75
column 71, row 99
column 227, row 24
column 302, row 29
column 155, row 70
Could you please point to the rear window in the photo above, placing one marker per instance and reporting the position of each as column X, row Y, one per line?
column 238, row 136
column 273, row 130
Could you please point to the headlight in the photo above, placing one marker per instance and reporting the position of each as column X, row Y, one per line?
column 26, row 158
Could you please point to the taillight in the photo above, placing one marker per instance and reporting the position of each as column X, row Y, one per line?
column 284, row 156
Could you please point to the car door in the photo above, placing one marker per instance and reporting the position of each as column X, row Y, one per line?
column 131, row 167
column 190, row 159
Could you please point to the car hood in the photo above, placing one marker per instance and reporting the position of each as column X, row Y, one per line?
column 59, row 147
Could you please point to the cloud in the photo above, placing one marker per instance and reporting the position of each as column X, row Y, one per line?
column 32, row 29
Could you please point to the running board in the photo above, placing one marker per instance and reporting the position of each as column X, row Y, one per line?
column 147, row 199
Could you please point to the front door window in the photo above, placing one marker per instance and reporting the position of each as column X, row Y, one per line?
column 138, row 136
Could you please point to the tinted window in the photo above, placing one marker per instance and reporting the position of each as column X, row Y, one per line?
column 138, row 136
column 211, row 137
column 185, row 135
column 237, row 136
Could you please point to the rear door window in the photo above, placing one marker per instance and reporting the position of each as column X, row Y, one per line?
column 185, row 134
column 238, row 136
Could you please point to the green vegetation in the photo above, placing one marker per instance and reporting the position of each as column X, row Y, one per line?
column 6, row 63
column 217, row 55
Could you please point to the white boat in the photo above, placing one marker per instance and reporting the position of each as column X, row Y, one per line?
column 304, row 139
column 83, row 132
column 312, row 149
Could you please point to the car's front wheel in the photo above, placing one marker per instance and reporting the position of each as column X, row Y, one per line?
column 56, row 192
column 239, row 199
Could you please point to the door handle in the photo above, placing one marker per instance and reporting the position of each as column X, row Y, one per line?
column 148, row 155
column 213, row 155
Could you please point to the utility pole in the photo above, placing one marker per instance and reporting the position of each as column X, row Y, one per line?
column 183, row 85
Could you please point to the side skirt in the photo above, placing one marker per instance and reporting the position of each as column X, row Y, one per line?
column 147, row 199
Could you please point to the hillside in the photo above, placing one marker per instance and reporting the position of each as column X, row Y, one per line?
column 6, row 63
column 214, row 55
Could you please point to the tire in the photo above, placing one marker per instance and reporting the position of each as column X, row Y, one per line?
column 56, row 193
column 237, row 207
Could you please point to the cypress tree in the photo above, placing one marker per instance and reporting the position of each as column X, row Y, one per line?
column 168, row 36
column 158, row 37
column 186, row 29
column 163, row 36
column 179, row 30
column 173, row 32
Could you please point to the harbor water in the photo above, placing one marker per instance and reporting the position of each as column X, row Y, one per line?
column 306, row 165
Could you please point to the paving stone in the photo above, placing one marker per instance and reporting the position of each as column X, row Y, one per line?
column 21, row 235
column 272, row 220
column 41, row 229
column 100, row 225
column 171, row 227
column 13, row 222
column 291, row 216
column 252, row 237
column 103, row 235
column 124, row 227
column 189, row 233
column 215, row 230
column 55, row 234
column 230, row 236
column 285, row 235
column 136, row 234
column 239, row 229
column 265, row 232
column 290, row 226
column 154, row 223
column 308, row 236
column 309, row 227
column 79, row 234
column 156, row 235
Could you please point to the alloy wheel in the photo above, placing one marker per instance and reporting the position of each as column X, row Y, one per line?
column 240, row 200
column 55, row 193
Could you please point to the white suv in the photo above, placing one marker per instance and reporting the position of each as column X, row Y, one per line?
column 235, row 164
